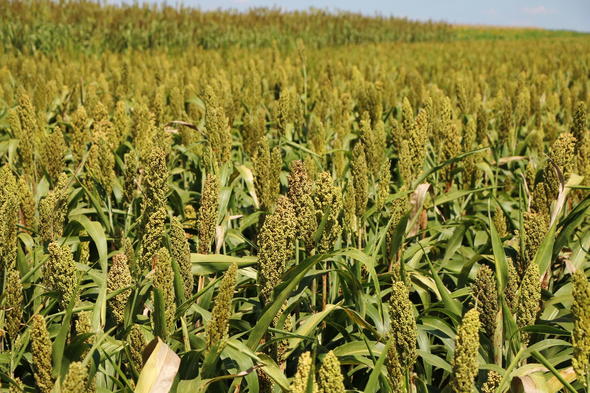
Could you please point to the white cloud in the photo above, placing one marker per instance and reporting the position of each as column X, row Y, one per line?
column 538, row 10
column 491, row 12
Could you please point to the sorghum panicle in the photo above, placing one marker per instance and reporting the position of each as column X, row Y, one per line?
column 119, row 277
column 218, row 127
column 486, row 296
column 360, row 179
column 581, row 332
column 207, row 216
column 465, row 365
column 180, row 250
column 330, row 375
column 394, row 368
column 300, row 195
column 218, row 327
column 53, row 210
column 403, row 324
column 164, row 281
column 266, row 170
column 13, row 303
column 136, row 342
column 60, row 273
column 302, row 376
column 41, row 351
column 9, row 203
column 328, row 202
column 528, row 299
column 76, row 380
column 152, row 238
column 275, row 246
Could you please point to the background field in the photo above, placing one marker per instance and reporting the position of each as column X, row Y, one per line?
column 291, row 201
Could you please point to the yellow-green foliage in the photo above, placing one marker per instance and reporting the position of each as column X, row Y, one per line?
column 163, row 144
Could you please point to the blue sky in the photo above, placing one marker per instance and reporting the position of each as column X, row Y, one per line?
column 552, row 14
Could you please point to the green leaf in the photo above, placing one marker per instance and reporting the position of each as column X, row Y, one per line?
column 159, row 314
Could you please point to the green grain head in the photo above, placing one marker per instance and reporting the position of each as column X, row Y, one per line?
column 581, row 332
column 275, row 244
column 218, row 127
column 163, row 280
column 9, row 203
column 403, row 324
column 76, row 380
column 266, row 169
column 300, row 195
column 60, row 273
column 394, row 367
column 119, row 278
column 330, row 375
column 13, row 303
column 328, row 208
column 486, row 298
column 218, row 327
column 180, row 250
column 136, row 343
column 302, row 376
column 465, row 365
column 41, row 352
column 528, row 299
column 53, row 210
column 207, row 215
column 360, row 179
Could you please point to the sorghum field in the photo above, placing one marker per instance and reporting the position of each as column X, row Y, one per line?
column 308, row 202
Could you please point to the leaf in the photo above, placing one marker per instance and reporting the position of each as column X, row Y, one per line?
column 373, row 383
column 248, row 177
column 159, row 371
column 205, row 264
column 292, row 279
column 96, row 232
column 274, row 372
column 435, row 361
column 451, row 304
column 499, row 255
